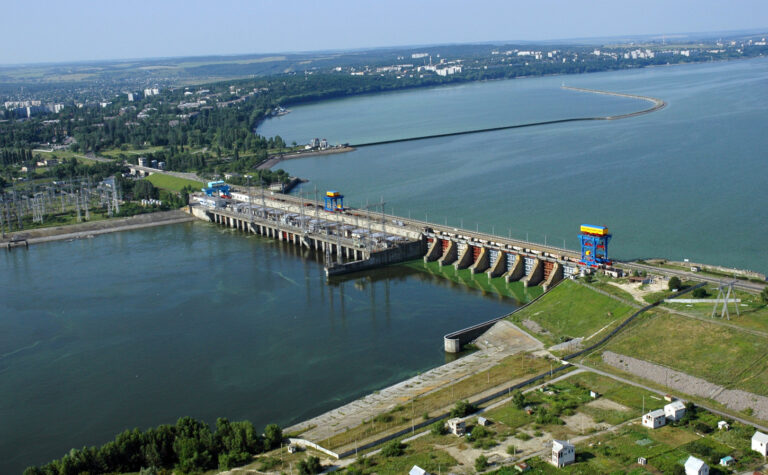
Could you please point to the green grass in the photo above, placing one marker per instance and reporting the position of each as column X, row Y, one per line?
column 718, row 354
column 116, row 152
column 421, row 452
column 172, row 183
column 498, row 286
column 571, row 310
column 753, row 313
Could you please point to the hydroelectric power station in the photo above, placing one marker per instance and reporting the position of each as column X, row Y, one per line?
column 355, row 240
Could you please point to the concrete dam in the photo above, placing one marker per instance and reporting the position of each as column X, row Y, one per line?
column 354, row 240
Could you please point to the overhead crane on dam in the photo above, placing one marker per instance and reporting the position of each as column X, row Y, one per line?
column 362, row 239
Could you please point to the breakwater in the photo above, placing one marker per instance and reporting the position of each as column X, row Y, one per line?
column 657, row 105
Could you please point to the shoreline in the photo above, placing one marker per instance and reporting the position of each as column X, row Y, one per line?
column 94, row 228
column 272, row 161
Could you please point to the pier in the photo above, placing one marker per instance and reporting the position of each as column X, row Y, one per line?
column 355, row 240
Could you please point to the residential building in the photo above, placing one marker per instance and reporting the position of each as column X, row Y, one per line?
column 457, row 427
column 563, row 453
column 674, row 411
column 694, row 466
column 760, row 443
column 654, row 419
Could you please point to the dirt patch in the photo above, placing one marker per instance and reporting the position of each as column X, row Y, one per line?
column 534, row 327
column 504, row 335
column 603, row 403
column 638, row 290
column 580, row 423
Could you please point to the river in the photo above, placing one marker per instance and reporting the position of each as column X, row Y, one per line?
column 139, row 328
column 687, row 181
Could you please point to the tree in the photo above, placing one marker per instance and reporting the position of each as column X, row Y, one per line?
column 392, row 449
column 700, row 293
column 674, row 283
column 438, row 428
column 310, row 466
column 273, row 435
column 518, row 399
column 764, row 295
column 481, row 463
column 462, row 409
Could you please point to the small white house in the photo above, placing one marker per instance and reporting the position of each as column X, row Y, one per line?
column 654, row 419
column 563, row 453
column 416, row 470
column 457, row 427
column 482, row 421
column 760, row 443
column 727, row 461
column 674, row 411
column 722, row 425
column 594, row 394
column 694, row 466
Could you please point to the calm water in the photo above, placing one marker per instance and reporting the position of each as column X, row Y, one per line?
column 138, row 328
column 688, row 181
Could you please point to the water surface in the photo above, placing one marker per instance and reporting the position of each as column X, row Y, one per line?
column 139, row 328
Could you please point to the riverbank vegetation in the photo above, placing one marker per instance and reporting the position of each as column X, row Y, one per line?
column 189, row 446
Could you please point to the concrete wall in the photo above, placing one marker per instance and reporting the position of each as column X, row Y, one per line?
column 404, row 252
column 517, row 271
column 435, row 249
column 465, row 259
column 450, row 254
column 536, row 275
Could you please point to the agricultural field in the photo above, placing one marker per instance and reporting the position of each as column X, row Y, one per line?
column 569, row 311
column 172, row 183
column 718, row 354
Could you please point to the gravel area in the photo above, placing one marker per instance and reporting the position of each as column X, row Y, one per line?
column 732, row 398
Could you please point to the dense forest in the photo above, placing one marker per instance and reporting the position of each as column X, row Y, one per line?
column 189, row 446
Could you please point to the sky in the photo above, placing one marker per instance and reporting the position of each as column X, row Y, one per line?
column 78, row 30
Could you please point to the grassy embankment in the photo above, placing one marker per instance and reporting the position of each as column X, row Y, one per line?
column 172, row 183
column 571, row 310
column 509, row 370
column 498, row 286
column 718, row 354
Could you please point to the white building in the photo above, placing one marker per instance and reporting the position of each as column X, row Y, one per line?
column 760, row 443
column 456, row 426
column 416, row 470
column 722, row 425
column 674, row 411
column 563, row 453
column 654, row 419
column 694, row 466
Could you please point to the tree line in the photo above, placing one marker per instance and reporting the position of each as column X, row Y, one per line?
column 188, row 446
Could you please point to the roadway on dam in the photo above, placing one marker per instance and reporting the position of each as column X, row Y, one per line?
column 657, row 105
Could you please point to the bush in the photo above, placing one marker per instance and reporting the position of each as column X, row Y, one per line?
column 310, row 466
column 522, row 436
column 481, row 463
column 393, row 449
column 478, row 432
column 518, row 399
column 438, row 428
column 674, row 283
column 462, row 409
column 700, row 293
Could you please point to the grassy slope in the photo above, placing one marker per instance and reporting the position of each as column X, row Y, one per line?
column 720, row 355
column 172, row 183
column 572, row 310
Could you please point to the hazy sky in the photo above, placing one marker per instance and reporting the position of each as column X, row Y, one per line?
column 67, row 30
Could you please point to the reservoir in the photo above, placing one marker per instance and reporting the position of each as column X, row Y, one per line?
column 139, row 328
column 687, row 181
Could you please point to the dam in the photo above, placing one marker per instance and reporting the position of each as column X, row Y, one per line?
column 354, row 240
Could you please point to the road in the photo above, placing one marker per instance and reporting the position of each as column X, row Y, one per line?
column 740, row 284
column 662, row 393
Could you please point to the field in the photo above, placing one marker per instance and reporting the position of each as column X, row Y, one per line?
column 721, row 355
column 753, row 313
column 507, row 371
column 571, row 310
column 172, row 183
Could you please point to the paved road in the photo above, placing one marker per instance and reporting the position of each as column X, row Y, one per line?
column 741, row 284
